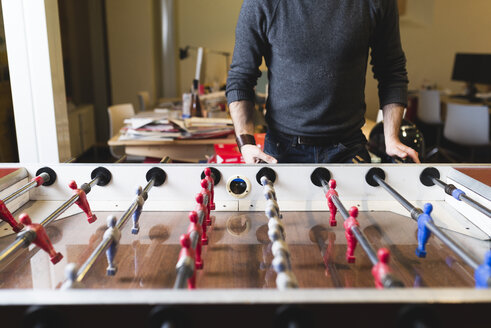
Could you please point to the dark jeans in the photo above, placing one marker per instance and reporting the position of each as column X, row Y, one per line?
column 286, row 149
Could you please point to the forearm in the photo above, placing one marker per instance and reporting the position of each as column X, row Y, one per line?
column 392, row 121
column 242, row 115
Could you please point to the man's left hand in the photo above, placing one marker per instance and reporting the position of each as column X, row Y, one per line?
column 397, row 148
column 392, row 122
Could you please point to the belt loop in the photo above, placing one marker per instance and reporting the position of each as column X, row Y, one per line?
column 295, row 141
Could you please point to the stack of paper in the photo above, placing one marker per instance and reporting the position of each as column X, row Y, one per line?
column 140, row 128
column 150, row 129
column 202, row 128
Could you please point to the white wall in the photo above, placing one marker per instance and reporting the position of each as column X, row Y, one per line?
column 131, row 43
column 210, row 24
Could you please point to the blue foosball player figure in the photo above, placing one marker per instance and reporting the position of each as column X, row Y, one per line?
column 112, row 232
column 140, row 200
column 423, row 231
column 483, row 272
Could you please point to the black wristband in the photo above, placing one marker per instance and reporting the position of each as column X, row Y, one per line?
column 245, row 139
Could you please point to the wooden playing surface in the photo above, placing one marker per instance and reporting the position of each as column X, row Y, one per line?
column 238, row 254
column 480, row 174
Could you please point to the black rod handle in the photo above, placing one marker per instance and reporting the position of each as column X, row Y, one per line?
column 320, row 176
column 157, row 175
column 267, row 172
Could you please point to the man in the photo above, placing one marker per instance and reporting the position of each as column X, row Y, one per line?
column 317, row 52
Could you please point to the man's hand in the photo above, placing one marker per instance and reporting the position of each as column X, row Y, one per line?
column 392, row 123
column 396, row 148
column 252, row 155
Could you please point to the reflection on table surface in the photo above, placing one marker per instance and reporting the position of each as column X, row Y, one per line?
column 239, row 253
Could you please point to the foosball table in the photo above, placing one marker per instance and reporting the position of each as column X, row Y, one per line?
column 175, row 245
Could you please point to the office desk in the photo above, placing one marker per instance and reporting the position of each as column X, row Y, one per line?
column 187, row 150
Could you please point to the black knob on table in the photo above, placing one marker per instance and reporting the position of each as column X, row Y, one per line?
column 158, row 175
column 50, row 172
column 103, row 174
column 426, row 177
column 215, row 175
column 374, row 171
column 267, row 172
column 319, row 174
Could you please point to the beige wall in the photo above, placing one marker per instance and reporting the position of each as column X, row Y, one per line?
column 210, row 24
column 131, row 46
column 432, row 32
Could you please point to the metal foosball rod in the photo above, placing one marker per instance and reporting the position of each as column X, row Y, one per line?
column 375, row 177
column 185, row 267
column 155, row 177
column 285, row 278
column 122, row 159
column 44, row 176
column 383, row 277
column 190, row 255
column 36, row 233
column 431, row 176
column 100, row 177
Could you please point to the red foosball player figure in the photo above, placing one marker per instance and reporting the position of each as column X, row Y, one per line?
column 381, row 269
column 42, row 239
column 6, row 216
column 211, row 187
column 195, row 227
column 350, row 237
column 206, row 199
column 185, row 264
column 330, row 203
column 201, row 210
column 82, row 201
column 39, row 180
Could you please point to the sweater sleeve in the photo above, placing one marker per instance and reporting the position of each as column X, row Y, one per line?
column 249, row 48
column 388, row 59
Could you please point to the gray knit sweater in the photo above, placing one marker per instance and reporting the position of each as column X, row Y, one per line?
column 317, row 52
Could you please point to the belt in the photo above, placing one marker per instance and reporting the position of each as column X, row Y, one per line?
column 315, row 141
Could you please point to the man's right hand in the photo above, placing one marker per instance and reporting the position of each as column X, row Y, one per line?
column 253, row 155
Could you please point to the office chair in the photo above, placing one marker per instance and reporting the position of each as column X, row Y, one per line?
column 468, row 125
column 117, row 115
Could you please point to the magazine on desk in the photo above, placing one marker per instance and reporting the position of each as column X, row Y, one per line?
column 165, row 129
